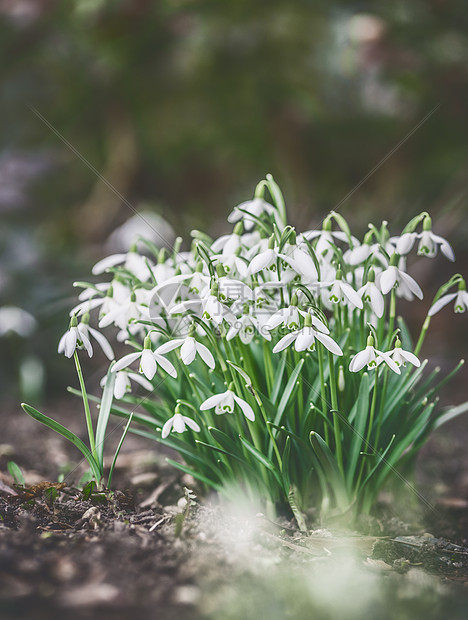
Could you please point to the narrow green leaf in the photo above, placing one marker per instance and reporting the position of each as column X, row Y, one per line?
column 450, row 414
column 59, row 428
column 288, row 391
column 117, row 451
column 262, row 459
column 195, row 474
column 331, row 469
column 104, row 414
column 295, row 509
column 15, row 473
column 358, row 419
column 278, row 378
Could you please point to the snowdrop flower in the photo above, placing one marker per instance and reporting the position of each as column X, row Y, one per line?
column 233, row 264
column 342, row 292
column 102, row 341
column 246, row 326
column 189, row 348
column 371, row 294
column 149, row 361
column 122, row 383
column 299, row 258
column 178, row 424
column 122, row 314
column 255, row 207
column 304, row 339
column 230, row 289
column 266, row 259
column 461, row 300
column 400, row 356
column 132, row 261
column 372, row 358
column 229, row 244
column 225, row 402
column 74, row 338
column 288, row 317
column 16, row 320
column 208, row 308
column 393, row 275
column 429, row 243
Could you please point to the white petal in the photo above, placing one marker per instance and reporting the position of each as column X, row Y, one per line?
column 388, row 360
column 148, row 364
column 103, row 343
column 351, row 294
column 191, row 424
column 141, row 380
column 166, row 365
column 410, row 357
column 411, row 284
column 304, row 340
column 126, row 361
column 169, row 346
column 440, row 303
column 284, row 342
column 166, row 429
column 206, row 355
column 360, row 360
column 121, row 385
column 212, row 401
column 405, row 243
column 329, row 343
column 70, row 341
column 445, row 247
column 188, row 351
column 387, row 279
column 261, row 261
column 61, row 345
column 109, row 261
column 246, row 408
column 377, row 301
column 178, row 424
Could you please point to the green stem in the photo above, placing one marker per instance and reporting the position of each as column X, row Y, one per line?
column 89, row 421
column 371, row 422
column 336, row 422
column 381, row 408
column 391, row 318
column 323, row 395
column 422, row 335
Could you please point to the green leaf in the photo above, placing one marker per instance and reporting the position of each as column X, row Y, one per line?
column 411, row 225
column 285, row 457
column 295, row 509
column 117, row 451
column 262, row 459
column 195, row 474
column 288, row 391
column 243, row 374
column 16, row 473
column 276, row 193
column 278, row 378
column 358, row 418
column 330, row 468
column 59, row 428
column 104, row 414
column 450, row 414
column 343, row 224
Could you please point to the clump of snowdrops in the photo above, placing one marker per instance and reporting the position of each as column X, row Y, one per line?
column 272, row 361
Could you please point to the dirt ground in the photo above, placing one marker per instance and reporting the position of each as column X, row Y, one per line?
column 143, row 553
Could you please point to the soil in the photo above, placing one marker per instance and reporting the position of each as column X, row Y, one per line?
column 149, row 550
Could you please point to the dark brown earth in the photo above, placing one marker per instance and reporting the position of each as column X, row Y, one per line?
column 142, row 553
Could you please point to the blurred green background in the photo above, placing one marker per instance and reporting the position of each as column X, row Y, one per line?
column 184, row 105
